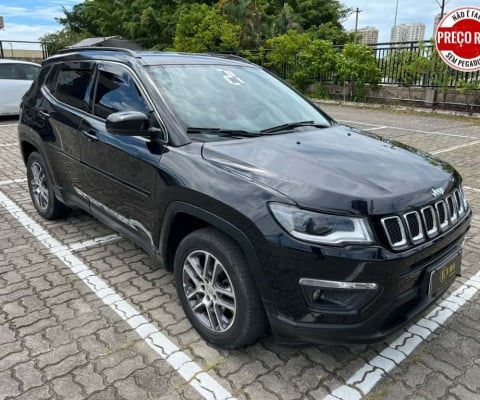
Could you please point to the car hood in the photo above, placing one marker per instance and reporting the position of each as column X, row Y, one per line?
column 337, row 169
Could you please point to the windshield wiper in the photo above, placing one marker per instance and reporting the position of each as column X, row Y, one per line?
column 293, row 125
column 226, row 132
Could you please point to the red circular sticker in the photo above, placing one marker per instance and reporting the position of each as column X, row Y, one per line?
column 458, row 39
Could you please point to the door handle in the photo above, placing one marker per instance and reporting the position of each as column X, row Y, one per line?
column 43, row 114
column 90, row 135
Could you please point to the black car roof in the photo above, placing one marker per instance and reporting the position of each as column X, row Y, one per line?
column 146, row 57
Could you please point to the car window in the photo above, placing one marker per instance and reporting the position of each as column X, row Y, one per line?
column 236, row 97
column 73, row 85
column 28, row 71
column 116, row 91
column 8, row 71
column 51, row 81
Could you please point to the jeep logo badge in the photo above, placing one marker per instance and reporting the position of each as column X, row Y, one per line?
column 438, row 192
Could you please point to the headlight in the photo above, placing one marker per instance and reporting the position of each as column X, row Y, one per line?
column 321, row 228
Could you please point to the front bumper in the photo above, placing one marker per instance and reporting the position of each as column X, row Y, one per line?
column 369, row 315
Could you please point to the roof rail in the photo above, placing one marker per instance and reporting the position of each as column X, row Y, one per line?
column 98, row 48
column 231, row 57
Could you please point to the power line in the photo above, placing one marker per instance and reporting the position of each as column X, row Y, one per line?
column 441, row 5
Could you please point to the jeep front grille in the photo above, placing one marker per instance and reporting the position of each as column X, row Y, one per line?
column 415, row 227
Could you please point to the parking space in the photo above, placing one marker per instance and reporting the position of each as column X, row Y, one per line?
column 87, row 314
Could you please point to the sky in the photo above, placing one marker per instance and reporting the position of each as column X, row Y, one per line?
column 30, row 19
column 381, row 14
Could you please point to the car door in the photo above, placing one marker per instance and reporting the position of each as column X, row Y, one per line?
column 120, row 171
column 64, row 103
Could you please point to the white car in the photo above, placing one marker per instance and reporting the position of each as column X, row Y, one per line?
column 15, row 79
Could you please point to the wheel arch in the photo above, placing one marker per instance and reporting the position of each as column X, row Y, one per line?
column 27, row 148
column 30, row 144
column 177, row 213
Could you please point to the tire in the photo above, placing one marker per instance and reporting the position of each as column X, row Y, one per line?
column 224, row 307
column 41, row 189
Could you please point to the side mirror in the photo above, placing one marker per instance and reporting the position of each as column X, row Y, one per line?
column 128, row 123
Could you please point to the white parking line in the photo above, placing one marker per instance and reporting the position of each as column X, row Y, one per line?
column 201, row 381
column 8, row 144
column 9, row 182
column 374, row 129
column 460, row 146
column 94, row 242
column 407, row 129
column 365, row 379
column 472, row 189
column 8, row 125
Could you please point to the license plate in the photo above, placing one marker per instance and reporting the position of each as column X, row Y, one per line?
column 444, row 275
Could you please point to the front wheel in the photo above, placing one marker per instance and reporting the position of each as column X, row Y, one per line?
column 216, row 290
column 41, row 190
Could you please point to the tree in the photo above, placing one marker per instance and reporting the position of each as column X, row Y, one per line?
column 76, row 20
column 153, row 23
column 61, row 39
column 405, row 66
column 408, row 67
column 315, row 13
column 357, row 65
column 469, row 88
column 284, row 51
column 251, row 16
column 316, row 61
column 286, row 20
column 148, row 22
column 441, row 75
column 331, row 32
column 201, row 28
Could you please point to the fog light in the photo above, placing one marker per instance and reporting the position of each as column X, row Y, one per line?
column 338, row 284
column 333, row 296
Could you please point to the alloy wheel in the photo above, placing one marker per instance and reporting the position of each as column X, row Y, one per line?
column 39, row 186
column 209, row 291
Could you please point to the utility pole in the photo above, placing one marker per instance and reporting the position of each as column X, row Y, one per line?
column 396, row 14
column 2, row 26
column 442, row 6
column 357, row 11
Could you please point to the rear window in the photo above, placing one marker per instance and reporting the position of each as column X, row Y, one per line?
column 28, row 71
column 18, row 71
column 8, row 71
column 74, row 85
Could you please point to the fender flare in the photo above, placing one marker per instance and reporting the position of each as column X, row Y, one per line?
column 227, row 228
column 38, row 144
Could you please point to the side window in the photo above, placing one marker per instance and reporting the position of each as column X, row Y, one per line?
column 51, row 81
column 28, row 71
column 116, row 91
column 8, row 71
column 39, row 81
column 73, row 85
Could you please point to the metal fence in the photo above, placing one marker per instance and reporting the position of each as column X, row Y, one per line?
column 395, row 69
column 23, row 50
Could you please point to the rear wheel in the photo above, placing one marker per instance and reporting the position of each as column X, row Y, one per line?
column 41, row 190
column 216, row 290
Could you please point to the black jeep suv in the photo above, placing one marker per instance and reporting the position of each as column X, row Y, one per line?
column 269, row 213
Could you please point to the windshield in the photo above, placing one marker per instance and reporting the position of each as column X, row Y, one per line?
column 242, row 98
